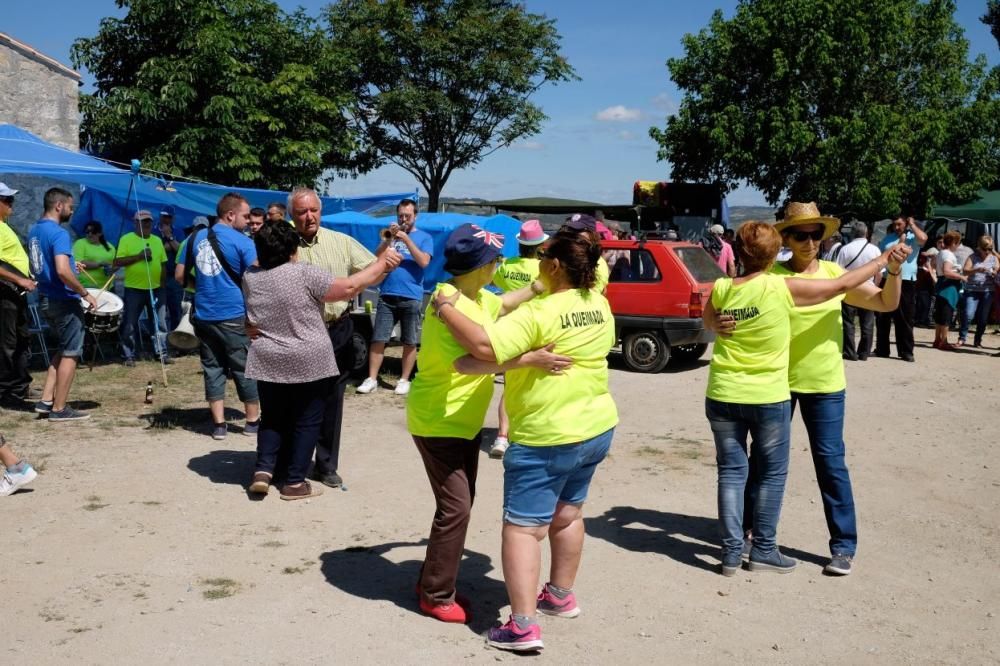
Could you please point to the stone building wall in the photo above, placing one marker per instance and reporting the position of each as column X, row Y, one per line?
column 41, row 96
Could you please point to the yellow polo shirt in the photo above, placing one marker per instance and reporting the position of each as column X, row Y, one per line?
column 12, row 251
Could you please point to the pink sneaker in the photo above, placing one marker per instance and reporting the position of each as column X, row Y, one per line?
column 511, row 637
column 550, row 604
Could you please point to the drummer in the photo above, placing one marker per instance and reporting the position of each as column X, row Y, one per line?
column 95, row 254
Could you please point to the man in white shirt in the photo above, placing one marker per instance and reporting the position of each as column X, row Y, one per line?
column 850, row 256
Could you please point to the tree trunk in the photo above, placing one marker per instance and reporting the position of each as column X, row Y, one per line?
column 433, row 196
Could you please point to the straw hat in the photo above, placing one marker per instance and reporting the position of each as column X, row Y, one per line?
column 806, row 213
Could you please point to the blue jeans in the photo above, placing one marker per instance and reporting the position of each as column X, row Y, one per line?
column 137, row 300
column 977, row 307
column 768, row 425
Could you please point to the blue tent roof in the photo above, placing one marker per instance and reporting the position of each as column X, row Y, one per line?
column 107, row 196
column 439, row 225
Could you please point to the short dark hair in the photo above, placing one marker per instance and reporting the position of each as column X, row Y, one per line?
column 276, row 242
column 257, row 211
column 55, row 196
column 407, row 202
column 277, row 204
column 229, row 201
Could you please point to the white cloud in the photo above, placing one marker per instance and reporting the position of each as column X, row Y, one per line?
column 618, row 114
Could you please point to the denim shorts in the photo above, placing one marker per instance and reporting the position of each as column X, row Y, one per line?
column 65, row 318
column 396, row 308
column 536, row 478
column 224, row 354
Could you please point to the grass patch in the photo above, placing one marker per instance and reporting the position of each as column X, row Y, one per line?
column 293, row 570
column 93, row 503
column 51, row 616
column 690, row 454
column 650, row 451
column 273, row 544
column 219, row 588
column 79, row 630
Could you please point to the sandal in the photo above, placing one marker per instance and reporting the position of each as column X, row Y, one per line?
column 260, row 484
column 299, row 491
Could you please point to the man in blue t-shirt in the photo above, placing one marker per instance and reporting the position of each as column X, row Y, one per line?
column 50, row 253
column 401, row 296
column 219, row 316
column 904, row 229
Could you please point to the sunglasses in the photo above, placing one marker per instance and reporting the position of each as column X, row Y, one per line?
column 803, row 236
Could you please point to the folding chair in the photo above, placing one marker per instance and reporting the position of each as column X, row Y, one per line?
column 37, row 327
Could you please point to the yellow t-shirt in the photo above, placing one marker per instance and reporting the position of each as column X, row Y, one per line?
column 603, row 274
column 816, row 362
column 135, row 274
column 83, row 250
column 12, row 251
column 547, row 409
column 181, row 256
column 516, row 272
column 751, row 366
column 443, row 403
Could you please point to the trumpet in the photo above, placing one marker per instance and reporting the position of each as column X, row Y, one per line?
column 387, row 234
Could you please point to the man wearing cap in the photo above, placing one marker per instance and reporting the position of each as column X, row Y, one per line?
column 50, row 255
column 400, row 297
column 724, row 257
column 512, row 274
column 173, row 294
column 341, row 256
column 855, row 254
column 144, row 258
column 15, row 279
column 904, row 229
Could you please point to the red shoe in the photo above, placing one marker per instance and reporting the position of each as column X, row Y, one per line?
column 947, row 346
column 936, row 345
column 449, row 612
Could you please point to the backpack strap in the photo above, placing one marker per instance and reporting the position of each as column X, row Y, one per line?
column 233, row 275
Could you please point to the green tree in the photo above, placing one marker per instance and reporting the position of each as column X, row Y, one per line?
column 444, row 83
column 859, row 106
column 222, row 90
column 992, row 18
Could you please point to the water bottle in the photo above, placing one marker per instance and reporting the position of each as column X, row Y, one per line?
column 149, row 393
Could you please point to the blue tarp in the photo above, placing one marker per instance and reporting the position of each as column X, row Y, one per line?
column 439, row 225
column 107, row 187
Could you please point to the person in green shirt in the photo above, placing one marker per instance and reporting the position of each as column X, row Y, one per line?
column 748, row 386
column 143, row 257
column 514, row 273
column 95, row 254
column 562, row 421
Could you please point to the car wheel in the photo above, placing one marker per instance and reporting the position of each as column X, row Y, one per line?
column 688, row 353
column 360, row 355
column 645, row 351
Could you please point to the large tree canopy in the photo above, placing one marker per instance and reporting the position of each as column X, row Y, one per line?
column 443, row 83
column 860, row 106
column 224, row 90
column 992, row 18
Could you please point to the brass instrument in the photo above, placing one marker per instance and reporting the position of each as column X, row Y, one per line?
column 387, row 234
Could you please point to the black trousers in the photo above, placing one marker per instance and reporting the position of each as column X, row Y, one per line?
column 902, row 317
column 14, row 345
column 866, row 322
column 328, row 448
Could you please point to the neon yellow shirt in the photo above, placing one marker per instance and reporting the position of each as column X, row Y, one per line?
column 181, row 255
column 603, row 275
column 443, row 403
column 547, row 409
column 516, row 272
column 135, row 274
column 816, row 362
column 751, row 366
column 83, row 250
column 12, row 251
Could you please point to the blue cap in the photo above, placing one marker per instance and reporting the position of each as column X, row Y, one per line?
column 167, row 210
column 581, row 222
column 469, row 247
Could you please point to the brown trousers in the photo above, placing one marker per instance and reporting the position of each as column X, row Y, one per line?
column 451, row 465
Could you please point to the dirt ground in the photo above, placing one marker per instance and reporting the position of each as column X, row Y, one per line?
column 138, row 543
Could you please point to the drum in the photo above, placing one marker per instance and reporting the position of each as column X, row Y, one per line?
column 108, row 315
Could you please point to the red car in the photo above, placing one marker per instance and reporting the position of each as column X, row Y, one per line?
column 657, row 290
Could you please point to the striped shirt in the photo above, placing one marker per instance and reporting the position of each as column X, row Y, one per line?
column 340, row 256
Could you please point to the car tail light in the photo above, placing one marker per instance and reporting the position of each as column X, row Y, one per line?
column 695, row 308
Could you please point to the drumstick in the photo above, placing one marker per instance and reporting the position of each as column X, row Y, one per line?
column 104, row 288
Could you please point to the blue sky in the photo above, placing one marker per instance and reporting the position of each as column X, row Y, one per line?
column 595, row 143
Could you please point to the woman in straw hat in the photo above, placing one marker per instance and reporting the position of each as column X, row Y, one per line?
column 816, row 367
column 748, row 387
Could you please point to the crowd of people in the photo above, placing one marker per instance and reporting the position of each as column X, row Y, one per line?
column 269, row 294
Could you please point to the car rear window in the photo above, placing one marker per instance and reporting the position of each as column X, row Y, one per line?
column 699, row 264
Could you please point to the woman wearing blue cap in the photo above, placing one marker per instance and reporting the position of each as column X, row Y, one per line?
column 445, row 410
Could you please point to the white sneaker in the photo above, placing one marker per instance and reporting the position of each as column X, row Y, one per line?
column 368, row 386
column 499, row 447
column 11, row 481
column 402, row 387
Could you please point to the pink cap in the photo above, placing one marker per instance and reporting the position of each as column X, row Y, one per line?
column 531, row 233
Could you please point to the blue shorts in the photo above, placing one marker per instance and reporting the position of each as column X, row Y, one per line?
column 536, row 478
column 65, row 318
column 397, row 308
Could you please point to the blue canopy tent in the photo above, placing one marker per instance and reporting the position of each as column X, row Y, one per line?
column 111, row 194
column 439, row 225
